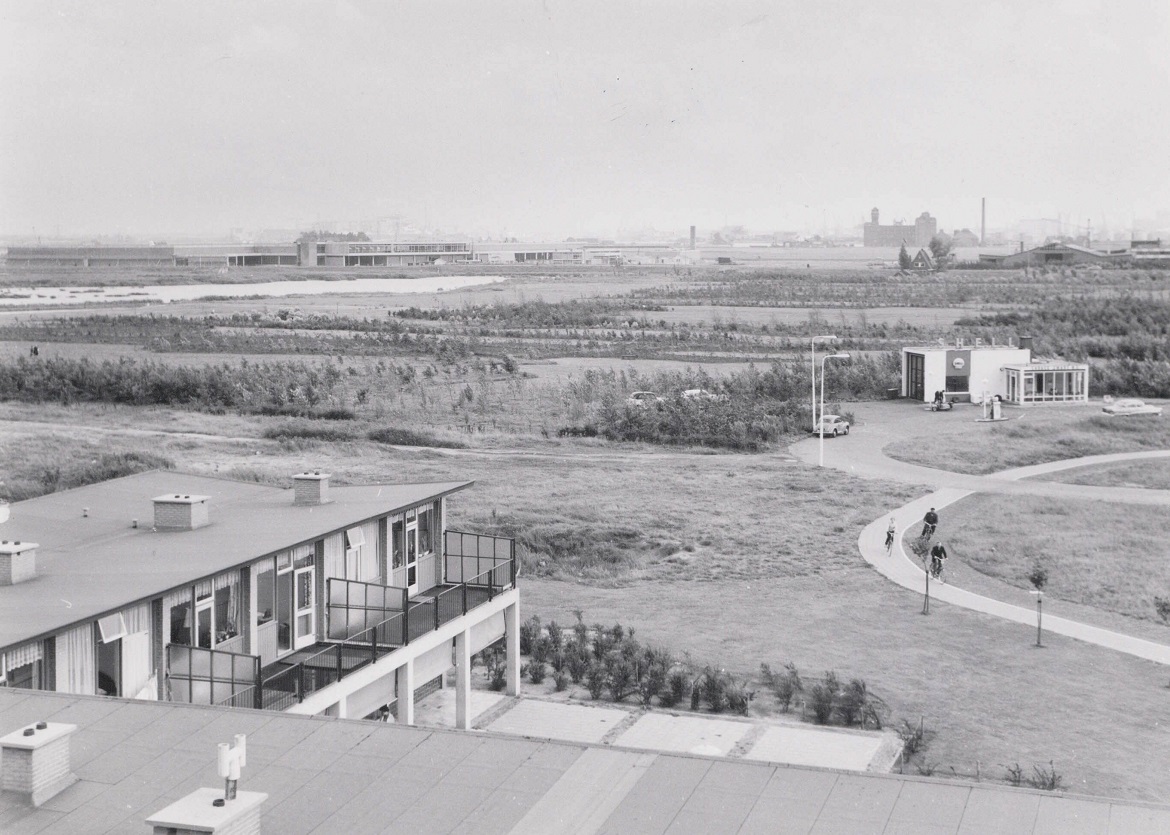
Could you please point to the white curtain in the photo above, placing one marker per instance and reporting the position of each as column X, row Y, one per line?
column 76, row 661
column 137, row 618
column 136, row 666
column 369, row 568
column 335, row 555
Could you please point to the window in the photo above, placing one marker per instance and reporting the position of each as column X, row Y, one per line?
column 957, row 384
column 355, row 538
column 266, row 592
column 25, row 676
column 112, row 627
column 396, row 537
column 424, row 531
column 181, row 623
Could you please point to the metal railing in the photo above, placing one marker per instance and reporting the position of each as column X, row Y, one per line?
column 480, row 568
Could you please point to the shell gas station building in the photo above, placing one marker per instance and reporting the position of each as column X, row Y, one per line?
column 974, row 372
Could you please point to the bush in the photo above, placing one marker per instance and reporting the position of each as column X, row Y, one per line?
column 853, row 702
column 1045, row 778
column 783, row 685
column 621, row 678
column 561, row 680
column 913, row 739
column 541, row 649
column 536, row 671
column 529, row 631
column 678, row 688
column 556, row 640
column 579, row 661
column 307, row 431
column 738, row 697
column 714, row 690
column 822, row 698
column 409, row 437
column 560, row 661
column 595, row 679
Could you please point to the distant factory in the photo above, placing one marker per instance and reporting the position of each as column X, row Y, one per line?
column 923, row 229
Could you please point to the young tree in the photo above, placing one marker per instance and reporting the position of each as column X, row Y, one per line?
column 904, row 259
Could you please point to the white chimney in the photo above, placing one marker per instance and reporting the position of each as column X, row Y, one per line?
column 18, row 562
column 34, row 761
column 311, row 488
column 180, row 512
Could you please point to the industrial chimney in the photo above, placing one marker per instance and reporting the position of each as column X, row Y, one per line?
column 983, row 225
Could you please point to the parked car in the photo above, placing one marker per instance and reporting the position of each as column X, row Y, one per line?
column 1131, row 406
column 702, row 394
column 642, row 399
column 833, row 425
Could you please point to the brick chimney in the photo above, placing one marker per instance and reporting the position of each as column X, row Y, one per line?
column 179, row 512
column 311, row 488
column 18, row 562
column 35, row 763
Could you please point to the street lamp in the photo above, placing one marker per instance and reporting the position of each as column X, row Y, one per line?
column 812, row 354
column 822, row 423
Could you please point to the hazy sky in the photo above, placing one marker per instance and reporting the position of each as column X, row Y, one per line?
column 552, row 118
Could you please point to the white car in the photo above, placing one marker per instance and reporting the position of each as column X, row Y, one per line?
column 702, row 394
column 1131, row 406
column 642, row 399
column 834, row 425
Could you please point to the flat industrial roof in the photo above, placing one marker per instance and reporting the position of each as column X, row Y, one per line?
column 333, row 775
column 91, row 560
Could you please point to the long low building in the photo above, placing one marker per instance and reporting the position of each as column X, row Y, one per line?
column 341, row 601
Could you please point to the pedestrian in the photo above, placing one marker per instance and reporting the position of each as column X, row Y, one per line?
column 890, row 536
column 929, row 524
column 938, row 556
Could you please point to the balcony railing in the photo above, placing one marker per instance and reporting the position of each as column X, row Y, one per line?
column 211, row 676
column 366, row 621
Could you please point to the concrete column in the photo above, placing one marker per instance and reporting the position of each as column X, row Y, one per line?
column 406, row 693
column 343, row 708
column 463, row 681
column 512, row 647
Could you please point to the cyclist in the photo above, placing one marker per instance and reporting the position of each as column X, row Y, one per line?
column 890, row 536
column 938, row 556
column 929, row 523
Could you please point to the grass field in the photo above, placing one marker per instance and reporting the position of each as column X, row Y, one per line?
column 1109, row 556
column 1154, row 475
column 1034, row 437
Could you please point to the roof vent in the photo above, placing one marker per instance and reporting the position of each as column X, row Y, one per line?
column 177, row 512
column 18, row 562
column 311, row 488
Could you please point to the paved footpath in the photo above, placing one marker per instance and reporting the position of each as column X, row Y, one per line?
column 860, row 453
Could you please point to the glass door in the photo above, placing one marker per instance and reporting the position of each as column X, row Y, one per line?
column 305, row 614
column 412, row 557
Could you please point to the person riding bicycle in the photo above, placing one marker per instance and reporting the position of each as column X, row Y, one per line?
column 929, row 523
column 938, row 556
column 890, row 536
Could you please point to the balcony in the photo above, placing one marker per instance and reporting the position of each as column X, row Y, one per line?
column 365, row 622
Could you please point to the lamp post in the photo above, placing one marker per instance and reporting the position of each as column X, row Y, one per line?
column 822, row 423
column 813, row 363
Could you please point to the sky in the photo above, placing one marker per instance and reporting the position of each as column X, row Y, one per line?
column 553, row 119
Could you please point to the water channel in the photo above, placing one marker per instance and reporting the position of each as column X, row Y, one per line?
column 15, row 297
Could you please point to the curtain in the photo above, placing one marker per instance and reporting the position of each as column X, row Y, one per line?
column 137, row 618
column 335, row 555
column 369, row 568
column 76, row 662
column 136, row 669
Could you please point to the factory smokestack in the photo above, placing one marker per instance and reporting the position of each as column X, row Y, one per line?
column 692, row 237
column 983, row 225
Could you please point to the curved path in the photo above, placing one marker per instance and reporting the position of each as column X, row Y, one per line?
column 860, row 455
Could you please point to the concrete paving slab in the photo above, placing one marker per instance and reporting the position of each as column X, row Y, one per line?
column 779, row 816
column 655, row 800
column 1134, row 820
column 929, row 803
column 1071, row 816
column 991, row 810
column 822, row 748
column 684, row 734
column 438, row 709
column 863, row 802
column 586, row 795
column 553, row 720
column 497, row 815
column 733, row 778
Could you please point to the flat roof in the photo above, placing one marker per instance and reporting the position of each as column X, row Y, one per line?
column 1048, row 365
column 333, row 775
column 964, row 348
column 91, row 560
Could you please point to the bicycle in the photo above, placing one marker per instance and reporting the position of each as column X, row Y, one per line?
column 889, row 541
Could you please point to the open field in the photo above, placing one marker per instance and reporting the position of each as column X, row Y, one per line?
column 1034, row 436
column 1154, row 475
column 767, row 573
column 736, row 559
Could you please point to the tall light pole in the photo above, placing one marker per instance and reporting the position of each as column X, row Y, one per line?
column 812, row 355
column 822, row 424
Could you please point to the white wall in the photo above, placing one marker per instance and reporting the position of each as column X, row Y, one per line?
column 986, row 365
